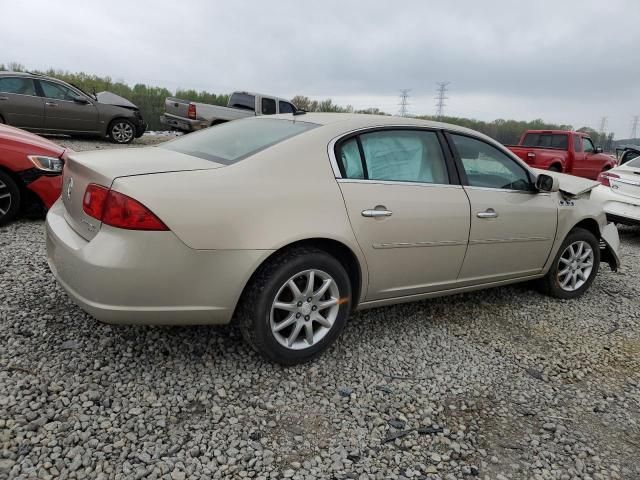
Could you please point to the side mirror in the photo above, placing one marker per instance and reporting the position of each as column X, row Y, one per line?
column 599, row 150
column 547, row 183
column 80, row 99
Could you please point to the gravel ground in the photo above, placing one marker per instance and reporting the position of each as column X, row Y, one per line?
column 500, row 384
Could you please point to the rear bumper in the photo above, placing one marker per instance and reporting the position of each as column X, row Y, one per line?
column 183, row 124
column 133, row 277
column 619, row 208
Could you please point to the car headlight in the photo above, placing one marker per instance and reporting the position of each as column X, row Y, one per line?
column 47, row 164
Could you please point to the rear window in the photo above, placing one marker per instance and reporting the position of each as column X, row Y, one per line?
column 243, row 100
column 546, row 140
column 231, row 142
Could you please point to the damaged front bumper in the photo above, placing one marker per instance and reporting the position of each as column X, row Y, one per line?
column 610, row 246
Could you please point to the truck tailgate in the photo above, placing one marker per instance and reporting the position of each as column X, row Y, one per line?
column 177, row 106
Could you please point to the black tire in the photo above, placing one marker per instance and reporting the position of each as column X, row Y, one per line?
column 9, row 205
column 254, row 310
column 121, row 131
column 555, row 168
column 550, row 284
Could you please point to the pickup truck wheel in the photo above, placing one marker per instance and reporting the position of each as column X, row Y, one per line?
column 555, row 168
column 9, row 198
column 575, row 267
column 121, row 131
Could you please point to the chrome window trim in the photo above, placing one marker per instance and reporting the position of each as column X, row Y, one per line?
column 506, row 190
column 398, row 182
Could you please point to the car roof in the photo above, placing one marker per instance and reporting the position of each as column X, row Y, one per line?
column 355, row 121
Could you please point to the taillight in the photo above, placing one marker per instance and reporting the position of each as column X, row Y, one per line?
column 604, row 178
column 192, row 111
column 119, row 210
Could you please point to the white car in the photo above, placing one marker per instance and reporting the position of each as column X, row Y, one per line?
column 619, row 193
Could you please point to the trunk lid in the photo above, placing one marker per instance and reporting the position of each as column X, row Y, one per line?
column 628, row 183
column 103, row 167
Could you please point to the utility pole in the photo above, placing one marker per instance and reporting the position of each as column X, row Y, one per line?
column 404, row 97
column 440, row 98
column 634, row 126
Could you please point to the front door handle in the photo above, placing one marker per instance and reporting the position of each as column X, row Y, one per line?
column 51, row 104
column 377, row 212
column 488, row 213
column 4, row 98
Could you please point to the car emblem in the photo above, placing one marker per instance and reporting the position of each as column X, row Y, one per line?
column 69, row 188
column 615, row 187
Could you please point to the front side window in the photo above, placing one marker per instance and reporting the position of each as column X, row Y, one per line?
column 268, row 106
column 488, row 167
column 20, row 86
column 588, row 145
column 59, row 92
column 231, row 142
column 405, row 156
column 577, row 144
column 285, row 107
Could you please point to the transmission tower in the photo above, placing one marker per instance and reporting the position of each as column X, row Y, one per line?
column 440, row 98
column 634, row 126
column 603, row 126
column 404, row 97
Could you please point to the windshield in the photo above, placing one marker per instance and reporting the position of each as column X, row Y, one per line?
column 231, row 142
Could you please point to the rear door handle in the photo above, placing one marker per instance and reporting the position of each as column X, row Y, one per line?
column 4, row 98
column 374, row 213
column 51, row 104
column 488, row 213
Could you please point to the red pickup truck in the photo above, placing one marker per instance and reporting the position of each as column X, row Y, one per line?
column 562, row 151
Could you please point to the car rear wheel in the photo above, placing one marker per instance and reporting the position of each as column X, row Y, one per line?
column 575, row 267
column 295, row 306
column 9, row 198
column 122, row 131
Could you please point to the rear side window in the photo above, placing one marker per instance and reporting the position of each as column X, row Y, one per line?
column 268, row 106
column 21, row 86
column 243, row 100
column 231, row 142
column 285, row 107
column 395, row 155
column 635, row 162
column 546, row 140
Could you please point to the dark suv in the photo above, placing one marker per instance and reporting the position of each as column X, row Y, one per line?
column 47, row 105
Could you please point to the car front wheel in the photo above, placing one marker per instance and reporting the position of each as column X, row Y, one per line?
column 575, row 267
column 122, row 131
column 296, row 305
column 9, row 198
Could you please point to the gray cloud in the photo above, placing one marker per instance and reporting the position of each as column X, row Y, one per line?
column 569, row 62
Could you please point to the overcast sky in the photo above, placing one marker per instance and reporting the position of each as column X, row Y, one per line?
column 564, row 61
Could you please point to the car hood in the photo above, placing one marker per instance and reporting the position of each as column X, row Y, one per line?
column 570, row 184
column 110, row 98
column 12, row 135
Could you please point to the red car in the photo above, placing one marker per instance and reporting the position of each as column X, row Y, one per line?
column 30, row 172
column 563, row 151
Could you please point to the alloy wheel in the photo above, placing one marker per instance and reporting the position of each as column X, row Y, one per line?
column 575, row 266
column 5, row 199
column 305, row 309
column 122, row 132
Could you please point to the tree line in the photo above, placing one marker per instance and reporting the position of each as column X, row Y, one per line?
column 150, row 100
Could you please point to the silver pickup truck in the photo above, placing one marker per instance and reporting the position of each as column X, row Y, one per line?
column 190, row 116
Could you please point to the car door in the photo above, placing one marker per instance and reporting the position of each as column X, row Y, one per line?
column 409, row 214
column 20, row 104
column 580, row 167
column 64, row 113
column 512, row 225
